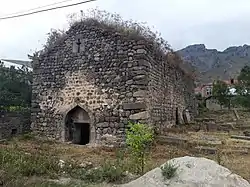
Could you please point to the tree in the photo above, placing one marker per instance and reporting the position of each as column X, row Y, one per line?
column 53, row 37
column 139, row 140
column 221, row 92
column 15, row 86
column 243, row 87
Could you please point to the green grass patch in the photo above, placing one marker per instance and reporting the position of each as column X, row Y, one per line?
column 26, row 164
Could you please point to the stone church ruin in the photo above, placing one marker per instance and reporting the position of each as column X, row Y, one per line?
column 95, row 79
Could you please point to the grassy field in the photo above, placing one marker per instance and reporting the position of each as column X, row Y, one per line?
column 26, row 161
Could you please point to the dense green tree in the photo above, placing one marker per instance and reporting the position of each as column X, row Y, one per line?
column 15, row 86
column 221, row 92
column 243, row 87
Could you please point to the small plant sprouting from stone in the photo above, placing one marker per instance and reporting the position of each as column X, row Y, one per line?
column 169, row 170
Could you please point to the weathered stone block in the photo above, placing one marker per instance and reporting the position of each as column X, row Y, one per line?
column 241, row 137
column 139, row 116
column 211, row 126
column 141, row 51
column 141, row 82
column 138, row 77
column 144, row 63
column 171, row 140
column 140, row 93
column 134, row 106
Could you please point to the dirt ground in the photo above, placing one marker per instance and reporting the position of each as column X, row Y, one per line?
column 233, row 154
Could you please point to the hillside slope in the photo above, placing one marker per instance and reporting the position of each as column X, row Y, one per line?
column 211, row 63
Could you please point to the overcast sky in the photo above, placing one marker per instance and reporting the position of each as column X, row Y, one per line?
column 215, row 23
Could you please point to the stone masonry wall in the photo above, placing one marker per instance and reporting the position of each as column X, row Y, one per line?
column 170, row 92
column 104, row 75
column 113, row 78
column 13, row 123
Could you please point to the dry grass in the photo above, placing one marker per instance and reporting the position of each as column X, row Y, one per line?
column 233, row 154
column 237, row 162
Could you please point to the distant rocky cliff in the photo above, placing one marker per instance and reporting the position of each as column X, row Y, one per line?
column 211, row 63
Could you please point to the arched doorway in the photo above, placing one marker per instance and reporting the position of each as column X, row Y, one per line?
column 77, row 126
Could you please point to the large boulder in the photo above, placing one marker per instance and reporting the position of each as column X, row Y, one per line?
column 192, row 172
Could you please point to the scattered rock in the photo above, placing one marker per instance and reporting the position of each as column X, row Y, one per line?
column 109, row 140
column 186, row 116
column 209, row 150
column 86, row 165
column 246, row 133
column 191, row 172
column 218, row 142
column 211, row 126
column 171, row 140
column 61, row 163
column 237, row 151
column 140, row 93
column 244, row 127
column 240, row 137
column 236, row 114
column 3, row 141
column 61, row 181
column 129, row 177
column 209, row 137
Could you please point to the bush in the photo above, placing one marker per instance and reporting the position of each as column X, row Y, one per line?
column 108, row 172
column 27, row 136
column 24, row 164
column 112, row 173
column 202, row 107
column 21, row 164
column 168, row 170
column 139, row 138
column 94, row 175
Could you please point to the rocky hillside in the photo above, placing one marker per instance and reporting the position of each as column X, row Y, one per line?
column 211, row 63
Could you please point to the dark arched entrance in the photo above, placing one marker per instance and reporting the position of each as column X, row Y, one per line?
column 77, row 126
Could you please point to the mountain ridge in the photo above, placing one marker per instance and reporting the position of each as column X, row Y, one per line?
column 211, row 64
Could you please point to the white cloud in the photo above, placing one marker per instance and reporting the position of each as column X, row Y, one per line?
column 216, row 23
